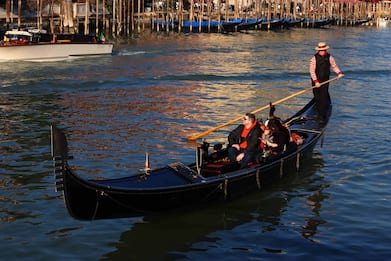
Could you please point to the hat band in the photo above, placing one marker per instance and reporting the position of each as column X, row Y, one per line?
column 324, row 46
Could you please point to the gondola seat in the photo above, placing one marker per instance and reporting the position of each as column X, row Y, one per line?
column 212, row 169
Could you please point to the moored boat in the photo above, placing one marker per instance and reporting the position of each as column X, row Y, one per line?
column 204, row 26
column 249, row 24
column 26, row 46
column 272, row 24
column 260, row 24
column 211, row 178
column 164, row 26
column 209, row 26
column 292, row 22
column 308, row 23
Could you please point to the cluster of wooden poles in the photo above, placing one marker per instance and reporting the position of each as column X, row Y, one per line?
column 126, row 17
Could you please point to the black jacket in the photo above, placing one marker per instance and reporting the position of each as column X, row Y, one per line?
column 253, row 137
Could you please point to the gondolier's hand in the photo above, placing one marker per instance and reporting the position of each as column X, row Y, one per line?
column 340, row 75
column 317, row 84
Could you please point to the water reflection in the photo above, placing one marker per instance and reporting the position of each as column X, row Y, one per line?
column 309, row 229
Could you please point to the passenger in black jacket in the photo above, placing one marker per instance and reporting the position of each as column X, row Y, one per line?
column 244, row 141
column 280, row 137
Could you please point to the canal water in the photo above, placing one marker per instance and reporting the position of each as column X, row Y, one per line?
column 156, row 91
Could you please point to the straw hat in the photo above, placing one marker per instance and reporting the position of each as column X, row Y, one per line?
column 322, row 46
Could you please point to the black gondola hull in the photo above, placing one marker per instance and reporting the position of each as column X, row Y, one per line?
column 176, row 185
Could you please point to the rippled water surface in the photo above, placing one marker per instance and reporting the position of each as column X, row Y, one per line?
column 155, row 92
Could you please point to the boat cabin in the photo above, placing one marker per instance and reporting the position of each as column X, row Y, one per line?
column 17, row 37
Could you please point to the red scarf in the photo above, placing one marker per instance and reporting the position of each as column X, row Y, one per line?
column 244, row 134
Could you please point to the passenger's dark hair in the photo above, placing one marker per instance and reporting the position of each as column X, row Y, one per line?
column 251, row 116
column 274, row 125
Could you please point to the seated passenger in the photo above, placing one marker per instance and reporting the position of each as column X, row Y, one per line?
column 279, row 137
column 272, row 116
column 244, row 141
column 295, row 138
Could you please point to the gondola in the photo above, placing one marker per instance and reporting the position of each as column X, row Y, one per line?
column 292, row 22
column 197, row 27
column 320, row 23
column 260, row 24
column 249, row 24
column 211, row 178
column 206, row 26
column 164, row 26
column 272, row 24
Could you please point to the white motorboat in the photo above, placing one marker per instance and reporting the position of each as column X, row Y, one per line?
column 22, row 46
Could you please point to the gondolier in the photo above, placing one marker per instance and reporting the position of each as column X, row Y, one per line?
column 320, row 65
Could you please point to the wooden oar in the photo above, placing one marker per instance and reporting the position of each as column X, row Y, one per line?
column 194, row 137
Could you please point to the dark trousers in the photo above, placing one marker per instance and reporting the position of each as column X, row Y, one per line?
column 233, row 153
column 322, row 100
